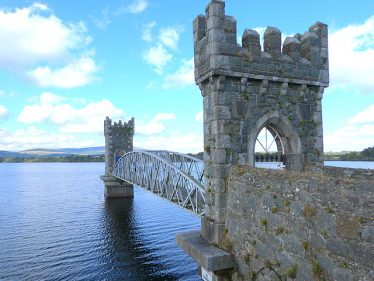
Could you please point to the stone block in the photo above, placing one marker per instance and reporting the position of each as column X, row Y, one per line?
column 340, row 274
column 351, row 251
column 209, row 257
column 348, row 226
column 291, row 244
column 368, row 234
column 272, row 42
column 211, row 230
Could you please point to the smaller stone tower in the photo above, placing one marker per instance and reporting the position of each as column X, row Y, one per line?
column 118, row 141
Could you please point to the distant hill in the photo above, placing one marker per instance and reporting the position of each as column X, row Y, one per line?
column 98, row 150
column 60, row 152
column 13, row 154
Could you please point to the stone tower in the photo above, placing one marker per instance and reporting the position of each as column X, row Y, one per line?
column 261, row 222
column 246, row 88
column 118, row 141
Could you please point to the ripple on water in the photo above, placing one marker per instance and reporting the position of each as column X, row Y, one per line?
column 56, row 225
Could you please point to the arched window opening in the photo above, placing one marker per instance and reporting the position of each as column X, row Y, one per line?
column 269, row 149
column 274, row 133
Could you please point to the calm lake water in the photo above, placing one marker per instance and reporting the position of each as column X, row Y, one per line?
column 351, row 164
column 56, row 225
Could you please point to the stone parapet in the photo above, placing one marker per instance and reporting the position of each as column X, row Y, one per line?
column 313, row 226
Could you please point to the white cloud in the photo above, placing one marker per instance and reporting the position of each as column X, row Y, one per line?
column 34, row 36
column 158, row 56
column 26, row 44
column 3, row 112
column 40, row 6
column 78, row 73
column 357, row 134
column 351, row 52
column 199, row 117
column 55, row 110
column 50, row 98
column 169, row 37
column 155, row 126
column 351, row 138
column 366, row 116
column 189, row 143
column 35, row 138
column 351, row 56
column 183, row 77
column 147, row 31
column 138, row 6
column 104, row 20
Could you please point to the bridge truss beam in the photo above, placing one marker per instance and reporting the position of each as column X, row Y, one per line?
column 173, row 176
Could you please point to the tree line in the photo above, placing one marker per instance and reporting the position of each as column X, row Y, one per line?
column 365, row 155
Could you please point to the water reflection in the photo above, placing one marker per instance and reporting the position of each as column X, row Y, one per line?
column 127, row 256
column 56, row 225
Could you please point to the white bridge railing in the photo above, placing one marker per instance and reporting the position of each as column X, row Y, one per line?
column 177, row 177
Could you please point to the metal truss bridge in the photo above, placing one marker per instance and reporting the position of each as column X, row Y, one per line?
column 176, row 177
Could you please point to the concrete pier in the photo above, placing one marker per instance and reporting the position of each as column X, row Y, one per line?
column 115, row 188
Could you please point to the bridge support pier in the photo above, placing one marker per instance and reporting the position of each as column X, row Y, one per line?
column 115, row 188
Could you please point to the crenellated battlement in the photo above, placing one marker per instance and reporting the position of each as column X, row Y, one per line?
column 118, row 127
column 301, row 59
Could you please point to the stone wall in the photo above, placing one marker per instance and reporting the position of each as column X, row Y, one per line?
column 306, row 226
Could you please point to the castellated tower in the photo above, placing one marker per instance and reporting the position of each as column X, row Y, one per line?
column 118, row 141
column 257, row 224
column 254, row 85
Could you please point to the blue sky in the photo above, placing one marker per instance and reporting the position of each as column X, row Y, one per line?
column 64, row 67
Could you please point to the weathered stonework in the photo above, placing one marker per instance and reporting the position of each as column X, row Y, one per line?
column 246, row 89
column 320, row 224
column 118, row 141
column 307, row 222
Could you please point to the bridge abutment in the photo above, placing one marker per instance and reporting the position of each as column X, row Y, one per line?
column 115, row 188
column 118, row 141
